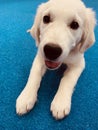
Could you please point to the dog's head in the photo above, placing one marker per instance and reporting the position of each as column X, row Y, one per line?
column 60, row 26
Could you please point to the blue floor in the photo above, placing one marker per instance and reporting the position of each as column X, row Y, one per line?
column 17, row 51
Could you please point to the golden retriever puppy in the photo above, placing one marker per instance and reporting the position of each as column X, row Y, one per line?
column 63, row 30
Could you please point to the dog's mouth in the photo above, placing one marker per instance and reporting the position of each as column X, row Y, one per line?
column 52, row 64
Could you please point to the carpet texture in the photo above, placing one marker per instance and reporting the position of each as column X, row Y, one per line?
column 17, row 51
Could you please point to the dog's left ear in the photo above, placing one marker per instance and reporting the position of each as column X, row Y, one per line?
column 35, row 29
column 88, row 37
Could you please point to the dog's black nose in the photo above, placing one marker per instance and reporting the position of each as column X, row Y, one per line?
column 52, row 51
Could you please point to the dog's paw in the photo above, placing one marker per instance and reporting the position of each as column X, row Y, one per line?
column 25, row 102
column 60, row 107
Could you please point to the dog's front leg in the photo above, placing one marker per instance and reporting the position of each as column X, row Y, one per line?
column 61, row 103
column 28, row 97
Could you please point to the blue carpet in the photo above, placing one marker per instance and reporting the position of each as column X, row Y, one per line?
column 17, row 51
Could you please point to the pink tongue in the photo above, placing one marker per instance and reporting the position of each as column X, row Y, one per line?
column 52, row 65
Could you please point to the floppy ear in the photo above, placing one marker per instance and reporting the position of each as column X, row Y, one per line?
column 35, row 29
column 88, row 37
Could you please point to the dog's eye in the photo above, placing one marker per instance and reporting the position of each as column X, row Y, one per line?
column 74, row 25
column 46, row 19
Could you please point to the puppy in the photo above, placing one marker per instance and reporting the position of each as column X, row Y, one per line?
column 63, row 30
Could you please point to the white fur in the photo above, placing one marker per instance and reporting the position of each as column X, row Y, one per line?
column 73, row 42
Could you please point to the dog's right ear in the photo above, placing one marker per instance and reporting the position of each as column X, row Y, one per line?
column 35, row 29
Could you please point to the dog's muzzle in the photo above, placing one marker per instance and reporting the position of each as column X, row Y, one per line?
column 52, row 52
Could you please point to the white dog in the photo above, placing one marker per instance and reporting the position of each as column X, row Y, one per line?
column 63, row 30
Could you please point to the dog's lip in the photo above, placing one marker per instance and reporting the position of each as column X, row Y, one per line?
column 52, row 64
